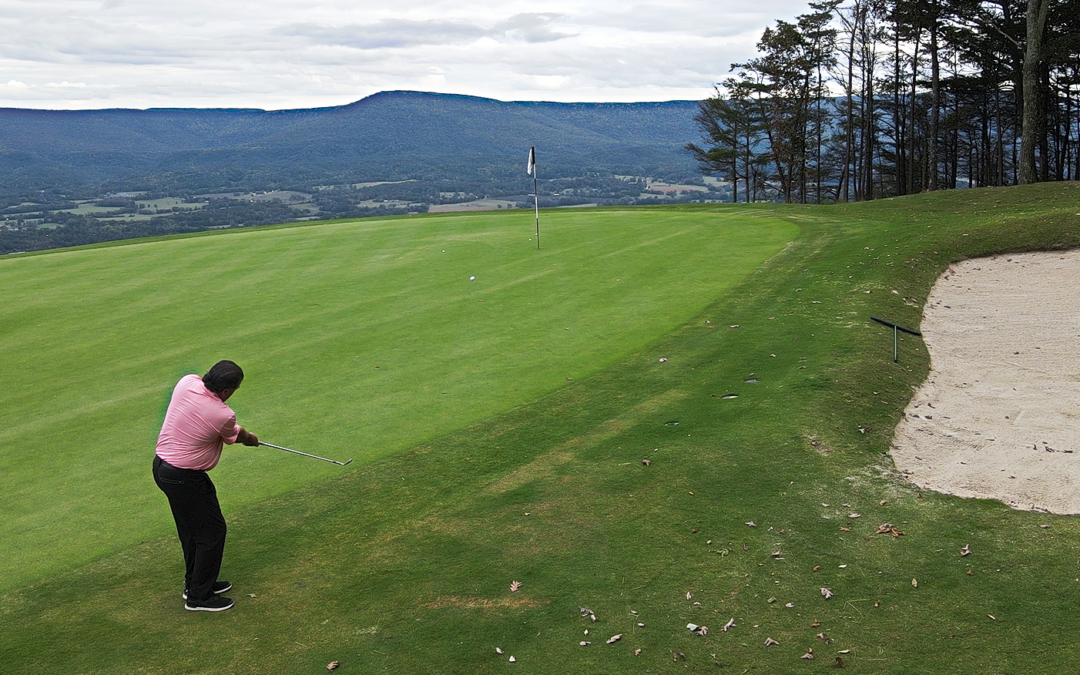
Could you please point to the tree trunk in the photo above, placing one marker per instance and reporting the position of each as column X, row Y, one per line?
column 935, row 104
column 1037, row 11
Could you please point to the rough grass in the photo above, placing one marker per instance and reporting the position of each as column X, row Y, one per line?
column 404, row 564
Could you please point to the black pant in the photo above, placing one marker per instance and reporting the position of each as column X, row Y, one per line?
column 199, row 524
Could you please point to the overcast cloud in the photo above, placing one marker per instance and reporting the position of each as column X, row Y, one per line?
column 82, row 54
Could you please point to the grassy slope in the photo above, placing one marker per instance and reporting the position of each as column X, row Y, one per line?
column 360, row 339
column 403, row 565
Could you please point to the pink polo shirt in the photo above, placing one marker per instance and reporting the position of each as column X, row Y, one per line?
column 196, row 425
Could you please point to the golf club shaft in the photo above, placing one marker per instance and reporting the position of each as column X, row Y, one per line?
column 297, row 452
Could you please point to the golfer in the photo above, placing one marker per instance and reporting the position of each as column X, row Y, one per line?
column 197, row 423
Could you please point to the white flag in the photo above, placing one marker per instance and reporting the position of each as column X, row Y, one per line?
column 532, row 160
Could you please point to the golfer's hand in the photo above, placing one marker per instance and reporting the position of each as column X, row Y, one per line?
column 248, row 438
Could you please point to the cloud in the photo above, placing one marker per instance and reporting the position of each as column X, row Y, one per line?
column 386, row 34
column 532, row 27
column 227, row 53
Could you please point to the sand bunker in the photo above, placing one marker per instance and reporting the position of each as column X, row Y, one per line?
column 999, row 415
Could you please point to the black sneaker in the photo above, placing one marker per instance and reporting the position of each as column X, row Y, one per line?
column 219, row 588
column 214, row 604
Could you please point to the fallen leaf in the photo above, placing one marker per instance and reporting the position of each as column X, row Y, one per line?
column 888, row 528
column 839, row 662
column 678, row 656
column 498, row 650
column 965, row 551
column 637, row 652
column 693, row 530
column 915, row 583
column 640, row 625
column 769, row 642
column 512, row 659
column 970, row 573
column 333, row 665
column 614, row 638
column 585, row 611
column 691, row 627
column 824, row 638
column 751, row 524
column 815, row 624
column 777, row 554
column 689, row 596
column 992, row 617
column 827, row 593
column 790, row 605
column 844, row 651
column 882, row 502
column 646, row 462
column 771, row 600
column 816, row 568
column 593, row 617
column 514, row 586
column 845, row 529
column 663, row 359
column 729, row 624
column 583, row 643
column 808, row 655
column 854, row 515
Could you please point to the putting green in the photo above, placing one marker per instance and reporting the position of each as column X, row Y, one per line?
column 359, row 339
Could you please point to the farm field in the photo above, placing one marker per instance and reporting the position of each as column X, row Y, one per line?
column 501, row 439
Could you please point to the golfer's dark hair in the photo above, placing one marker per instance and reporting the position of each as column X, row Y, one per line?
column 223, row 375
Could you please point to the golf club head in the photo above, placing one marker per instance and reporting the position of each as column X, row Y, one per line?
column 346, row 462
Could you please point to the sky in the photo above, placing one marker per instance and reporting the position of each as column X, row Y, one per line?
column 273, row 55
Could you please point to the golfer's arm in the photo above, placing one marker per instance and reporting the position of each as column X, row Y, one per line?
column 246, row 437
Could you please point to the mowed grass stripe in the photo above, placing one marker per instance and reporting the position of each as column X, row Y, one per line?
column 359, row 339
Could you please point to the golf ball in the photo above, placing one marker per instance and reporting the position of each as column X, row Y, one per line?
column 472, row 278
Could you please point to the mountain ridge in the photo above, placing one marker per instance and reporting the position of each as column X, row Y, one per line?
column 390, row 135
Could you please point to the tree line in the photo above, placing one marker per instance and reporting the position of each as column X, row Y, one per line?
column 862, row 99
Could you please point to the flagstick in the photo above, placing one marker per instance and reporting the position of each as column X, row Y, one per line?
column 536, row 201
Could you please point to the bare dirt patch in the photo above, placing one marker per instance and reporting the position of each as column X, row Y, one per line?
column 999, row 415
column 485, row 603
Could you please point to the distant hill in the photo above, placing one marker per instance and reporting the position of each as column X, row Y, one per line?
column 388, row 136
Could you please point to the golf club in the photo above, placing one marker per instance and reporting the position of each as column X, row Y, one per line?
column 297, row 452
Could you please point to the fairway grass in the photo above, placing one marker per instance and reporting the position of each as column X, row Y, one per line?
column 404, row 564
column 359, row 339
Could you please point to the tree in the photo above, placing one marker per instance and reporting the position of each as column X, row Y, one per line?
column 1037, row 11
